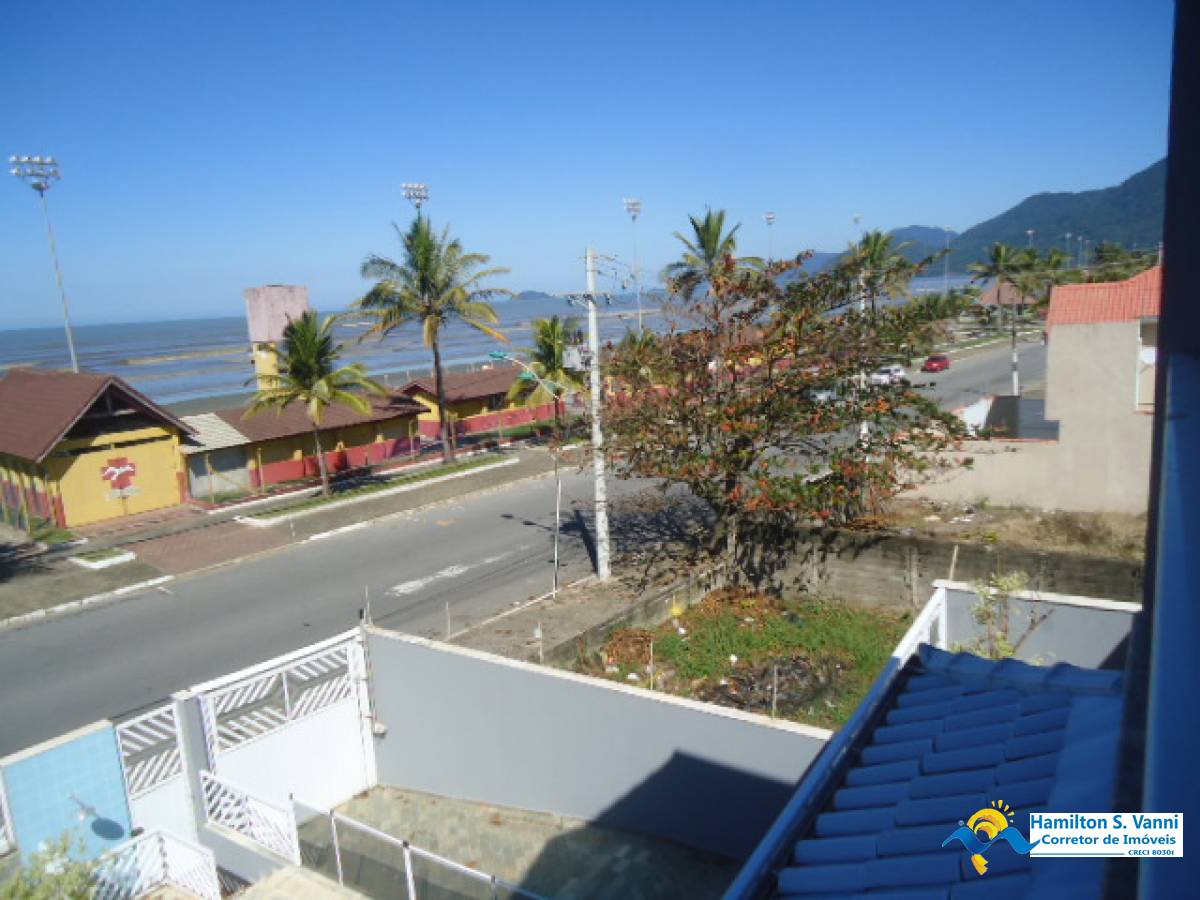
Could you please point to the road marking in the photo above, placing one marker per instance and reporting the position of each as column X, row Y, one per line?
column 411, row 587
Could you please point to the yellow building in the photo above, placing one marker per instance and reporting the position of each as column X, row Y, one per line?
column 77, row 448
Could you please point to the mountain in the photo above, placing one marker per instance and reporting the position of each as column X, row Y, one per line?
column 924, row 241
column 1129, row 214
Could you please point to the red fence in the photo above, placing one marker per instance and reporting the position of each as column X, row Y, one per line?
column 335, row 461
column 508, row 418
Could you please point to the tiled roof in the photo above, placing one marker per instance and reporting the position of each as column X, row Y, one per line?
column 39, row 406
column 269, row 424
column 211, row 432
column 959, row 732
column 1135, row 298
column 461, row 386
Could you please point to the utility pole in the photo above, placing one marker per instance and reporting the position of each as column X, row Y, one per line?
column 946, row 263
column 1016, row 378
column 603, row 569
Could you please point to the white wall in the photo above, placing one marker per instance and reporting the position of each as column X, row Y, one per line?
column 321, row 759
column 167, row 807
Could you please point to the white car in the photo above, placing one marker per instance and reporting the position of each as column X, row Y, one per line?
column 886, row 375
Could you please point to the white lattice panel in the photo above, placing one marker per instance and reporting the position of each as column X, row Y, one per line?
column 262, row 822
column 153, row 861
column 150, row 749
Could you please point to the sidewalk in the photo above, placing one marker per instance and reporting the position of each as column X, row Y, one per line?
column 182, row 541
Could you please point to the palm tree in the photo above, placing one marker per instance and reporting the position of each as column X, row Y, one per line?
column 547, row 361
column 1004, row 265
column 710, row 251
column 436, row 283
column 308, row 375
column 881, row 267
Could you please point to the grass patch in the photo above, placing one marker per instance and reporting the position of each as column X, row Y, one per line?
column 734, row 646
column 50, row 534
column 375, row 486
column 101, row 555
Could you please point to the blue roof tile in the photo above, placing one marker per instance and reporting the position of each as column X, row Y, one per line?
column 957, row 733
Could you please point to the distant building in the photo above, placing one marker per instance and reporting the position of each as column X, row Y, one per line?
column 1005, row 294
column 77, row 448
column 1102, row 345
column 231, row 454
column 476, row 401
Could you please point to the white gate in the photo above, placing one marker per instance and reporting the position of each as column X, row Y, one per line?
column 297, row 724
column 153, row 766
column 156, row 860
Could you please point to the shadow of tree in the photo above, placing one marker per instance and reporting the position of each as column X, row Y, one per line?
column 19, row 558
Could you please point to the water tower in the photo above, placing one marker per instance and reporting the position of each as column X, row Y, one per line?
column 268, row 311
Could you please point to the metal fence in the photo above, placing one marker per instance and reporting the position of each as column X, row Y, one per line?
column 261, row 821
column 149, row 750
column 153, row 861
column 259, row 704
column 381, row 866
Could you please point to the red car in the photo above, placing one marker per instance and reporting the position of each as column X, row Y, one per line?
column 939, row 362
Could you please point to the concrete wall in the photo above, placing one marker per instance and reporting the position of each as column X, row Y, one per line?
column 1101, row 461
column 1049, row 628
column 166, row 807
column 893, row 570
column 477, row 727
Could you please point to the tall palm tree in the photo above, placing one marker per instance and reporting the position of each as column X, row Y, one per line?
column 710, row 251
column 551, row 337
column 308, row 375
column 1004, row 265
column 436, row 283
column 881, row 267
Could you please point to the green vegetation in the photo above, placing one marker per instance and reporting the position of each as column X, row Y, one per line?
column 1130, row 214
column 101, row 555
column 815, row 662
column 373, row 487
column 436, row 283
column 48, row 533
column 54, row 873
column 547, row 361
column 308, row 375
column 992, row 614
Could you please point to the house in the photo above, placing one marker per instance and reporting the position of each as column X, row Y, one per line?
column 1101, row 353
column 1004, row 294
column 476, row 401
column 78, row 447
column 230, row 453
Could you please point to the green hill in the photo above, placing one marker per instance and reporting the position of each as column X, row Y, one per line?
column 1129, row 214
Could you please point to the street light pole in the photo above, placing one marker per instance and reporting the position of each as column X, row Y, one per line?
column 1029, row 233
column 946, row 262
column 769, row 218
column 603, row 567
column 40, row 172
column 633, row 206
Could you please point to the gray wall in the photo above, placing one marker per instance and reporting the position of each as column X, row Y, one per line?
column 495, row 731
column 1080, row 635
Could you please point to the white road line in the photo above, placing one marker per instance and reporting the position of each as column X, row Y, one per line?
column 411, row 587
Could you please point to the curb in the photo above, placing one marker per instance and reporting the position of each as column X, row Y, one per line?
column 374, row 495
column 64, row 609
column 114, row 560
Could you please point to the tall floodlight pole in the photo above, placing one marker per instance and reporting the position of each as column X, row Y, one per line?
column 769, row 218
column 1079, row 243
column 633, row 206
column 1029, row 233
column 40, row 172
column 603, row 568
column 416, row 193
column 1067, row 245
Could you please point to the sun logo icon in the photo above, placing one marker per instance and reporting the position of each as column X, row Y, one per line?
column 985, row 827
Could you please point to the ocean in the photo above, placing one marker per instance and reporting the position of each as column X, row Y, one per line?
column 188, row 359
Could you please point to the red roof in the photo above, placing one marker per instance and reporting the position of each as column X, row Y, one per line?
column 467, row 385
column 39, row 406
column 1139, row 297
column 292, row 420
column 1004, row 295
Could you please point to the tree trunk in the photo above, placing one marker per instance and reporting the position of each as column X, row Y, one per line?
column 321, row 460
column 443, row 417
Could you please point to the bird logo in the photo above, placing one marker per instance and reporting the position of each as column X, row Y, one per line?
column 985, row 827
column 119, row 473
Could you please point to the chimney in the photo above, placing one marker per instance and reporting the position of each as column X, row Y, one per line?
column 268, row 311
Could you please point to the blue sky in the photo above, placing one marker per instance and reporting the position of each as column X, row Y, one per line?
column 207, row 147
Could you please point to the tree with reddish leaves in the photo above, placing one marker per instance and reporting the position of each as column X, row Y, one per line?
column 755, row 397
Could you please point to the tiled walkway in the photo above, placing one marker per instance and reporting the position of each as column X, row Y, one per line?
column 297, row 884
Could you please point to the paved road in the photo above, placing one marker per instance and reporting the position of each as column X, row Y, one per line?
column 986, row 372
column 481, row 555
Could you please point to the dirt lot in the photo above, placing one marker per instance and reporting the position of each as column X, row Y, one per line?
column 1114, row 535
